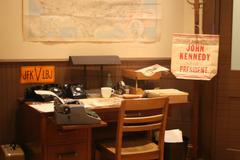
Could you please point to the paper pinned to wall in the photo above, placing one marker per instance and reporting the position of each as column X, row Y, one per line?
column 91, row 20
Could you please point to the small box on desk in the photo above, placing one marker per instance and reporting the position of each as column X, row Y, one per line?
column 133, row 75
column 175, row 96
column 134, row 90
column 11, row 152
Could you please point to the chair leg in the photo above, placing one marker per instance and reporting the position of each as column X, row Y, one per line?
column 97, row 155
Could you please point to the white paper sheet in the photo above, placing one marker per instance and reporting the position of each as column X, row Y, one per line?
column 151, row 70
column 43, row 107
column 171, row 136
column 99, row 102
column 44, row 92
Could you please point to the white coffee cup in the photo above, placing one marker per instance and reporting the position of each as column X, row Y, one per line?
column 107, row 92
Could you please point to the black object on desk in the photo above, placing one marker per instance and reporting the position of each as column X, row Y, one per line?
column 75, row 91
column 30, row 95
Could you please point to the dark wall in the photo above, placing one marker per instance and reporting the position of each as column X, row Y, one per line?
column 208, row 89
column 227, row 111
column 220, row 129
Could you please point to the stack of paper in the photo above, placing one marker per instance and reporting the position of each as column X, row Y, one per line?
column 151, row 70
column 175, row 96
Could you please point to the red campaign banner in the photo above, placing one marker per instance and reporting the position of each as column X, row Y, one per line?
column 194, row 56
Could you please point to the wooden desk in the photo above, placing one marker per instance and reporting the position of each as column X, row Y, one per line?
column 42, row 139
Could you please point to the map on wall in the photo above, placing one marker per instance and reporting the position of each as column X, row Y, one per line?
column 92, row 20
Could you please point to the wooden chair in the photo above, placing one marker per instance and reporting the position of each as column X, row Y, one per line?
column 133, row 118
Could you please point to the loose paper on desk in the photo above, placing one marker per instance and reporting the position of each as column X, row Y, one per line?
column 151, row 70
column 105, row 101
column 44, row 92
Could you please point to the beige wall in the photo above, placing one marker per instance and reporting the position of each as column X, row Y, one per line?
column 177, row 17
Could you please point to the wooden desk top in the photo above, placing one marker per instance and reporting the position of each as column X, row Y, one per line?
column 113, row 103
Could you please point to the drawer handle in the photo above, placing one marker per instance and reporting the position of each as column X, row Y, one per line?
column 67, row 154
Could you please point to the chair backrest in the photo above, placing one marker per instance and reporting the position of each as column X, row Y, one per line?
column 132, row 118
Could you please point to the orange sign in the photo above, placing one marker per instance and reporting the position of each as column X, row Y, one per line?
column 37, row 74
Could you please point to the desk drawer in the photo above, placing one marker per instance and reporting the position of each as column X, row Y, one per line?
column 57, row 136
column 68, row 152
column 108, row 116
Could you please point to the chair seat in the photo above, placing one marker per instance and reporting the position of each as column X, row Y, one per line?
column 131, row 147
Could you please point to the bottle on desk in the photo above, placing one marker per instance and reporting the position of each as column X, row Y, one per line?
column 109, row 82
column 126, row 89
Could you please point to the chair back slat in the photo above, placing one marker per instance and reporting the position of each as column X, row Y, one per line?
column 146, row 127
column 145, row 119
column 145, row 114
column 138, row 104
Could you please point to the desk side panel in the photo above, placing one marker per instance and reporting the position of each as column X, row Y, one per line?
column 29, row 130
